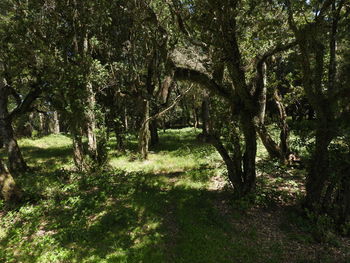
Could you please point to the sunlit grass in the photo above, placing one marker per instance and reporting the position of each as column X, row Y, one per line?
column 53, row 151
column 158, row 210
column 168, row 157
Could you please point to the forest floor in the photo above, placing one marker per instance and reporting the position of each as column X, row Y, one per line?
column 174, row 207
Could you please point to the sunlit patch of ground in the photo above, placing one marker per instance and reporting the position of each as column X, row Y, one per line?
column 174, row 207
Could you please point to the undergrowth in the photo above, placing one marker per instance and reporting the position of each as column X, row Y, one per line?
column 160, row 210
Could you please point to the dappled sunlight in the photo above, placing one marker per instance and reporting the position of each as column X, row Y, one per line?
column 174, row 207
column 52, row 152
column 178, row 151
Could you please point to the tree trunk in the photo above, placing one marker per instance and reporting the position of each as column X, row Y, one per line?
column 274, row 150
column 56, row 123
column 318, row 176
column 283, row 125
column 78, row 152
column 41, row 123
column 91, row 123
column 126, row 122
column 270, row 145
column 144, row 134
column 196, row 118
column 262, row 95
column 44, row 124
column 10, row 191
column 118, row 136
column 153, row 126
column 15, row 158
column 249, row 156
column 206, row 113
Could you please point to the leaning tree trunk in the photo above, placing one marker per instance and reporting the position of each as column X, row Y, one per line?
column 283, row 125
column 15, row 158
column 270, row 145
column 274, row 150
column 240, row 163
column 9, row 190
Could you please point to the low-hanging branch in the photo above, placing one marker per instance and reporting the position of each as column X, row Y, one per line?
column 176, row 100
column 27, row 102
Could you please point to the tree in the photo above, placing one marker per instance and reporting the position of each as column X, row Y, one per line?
column 229, row 75
column 322, row 187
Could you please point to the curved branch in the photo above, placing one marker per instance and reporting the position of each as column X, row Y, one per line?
column 25, row 105
column 203, row 79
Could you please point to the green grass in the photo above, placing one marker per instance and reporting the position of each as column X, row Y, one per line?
column 160, row 210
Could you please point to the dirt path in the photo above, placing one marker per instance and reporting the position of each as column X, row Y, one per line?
column 296, row 245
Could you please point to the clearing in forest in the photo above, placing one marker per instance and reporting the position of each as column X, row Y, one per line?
column 174, row 207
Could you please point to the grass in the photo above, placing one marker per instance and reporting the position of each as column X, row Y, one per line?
column 165, row 209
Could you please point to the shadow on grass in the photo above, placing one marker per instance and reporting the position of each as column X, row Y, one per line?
column 113, row 217
column 170, row 141
column 51, row 157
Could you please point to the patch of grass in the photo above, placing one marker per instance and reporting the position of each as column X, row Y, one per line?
column 159, row 210
column 168, row 157
column 51, row 152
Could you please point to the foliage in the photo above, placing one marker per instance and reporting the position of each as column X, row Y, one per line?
column 142, row 213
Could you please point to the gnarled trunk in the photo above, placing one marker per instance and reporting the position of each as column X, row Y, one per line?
column 283, row 125
column 249, row 132
column 270, row 145
column 240, row 164
column 15, row 158
column 78, row 152
column 318, row 175
column 9, row 190
column 278, row 151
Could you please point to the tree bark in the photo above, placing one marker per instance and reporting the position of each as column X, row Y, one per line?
column 41, row 124
column 317, row 178
column 270, row 145
column 9, row 190
column 55, row 123
column 118, row 136
column 283, row 125
column 91, row 123
column 312, row 63
column 249, row 156
column 206, row 113
column 240, row 164
column 78, row 152
column 153, row 126
column 144, row 133
column 15, row 158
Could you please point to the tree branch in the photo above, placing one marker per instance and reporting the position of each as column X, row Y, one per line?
column 25, row 105
column 14, row 94
column 203, row 79
column 176, row 100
